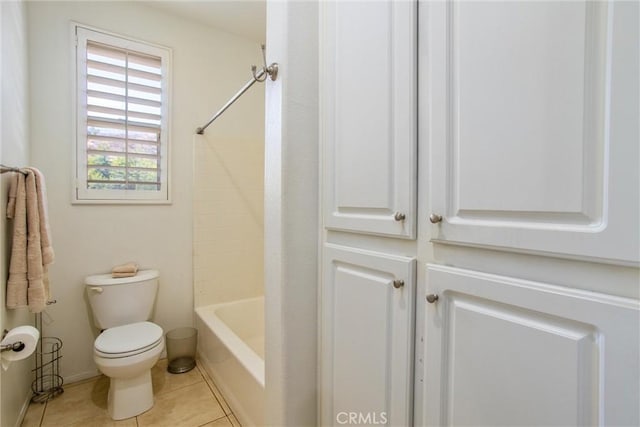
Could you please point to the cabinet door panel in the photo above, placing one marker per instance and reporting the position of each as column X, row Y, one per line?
column 367, row 336
column 504, row 351
column 532, row 123
column 368, row 116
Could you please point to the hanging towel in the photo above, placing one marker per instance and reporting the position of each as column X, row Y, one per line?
column 129, row 269
column 31, row 251
column 36, row 294
column 18, row 283
column 48, row 255
column 13, row 193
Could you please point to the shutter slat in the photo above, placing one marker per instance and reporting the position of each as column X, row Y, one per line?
column 105, row 110
column 118, row 112
column 121, row 53
column 145, row 60
column 122, row 85
column 100, row 122
column 122, row 98
column 117, row 69
column 106, row 153
column 104, row 66
column 130, row 155
column 122, row 182
column 112, row 52
column 106, row 81
column 116, row 140
column 121, row 168
column 143, row 88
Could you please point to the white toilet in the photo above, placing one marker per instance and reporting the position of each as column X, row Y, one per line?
column 129, row 346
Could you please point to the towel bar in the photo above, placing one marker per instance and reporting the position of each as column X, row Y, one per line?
column 4, row 169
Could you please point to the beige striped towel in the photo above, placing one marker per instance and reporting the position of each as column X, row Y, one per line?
column 31, row 251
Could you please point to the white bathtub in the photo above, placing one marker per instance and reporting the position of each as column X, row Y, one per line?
column 231, row 346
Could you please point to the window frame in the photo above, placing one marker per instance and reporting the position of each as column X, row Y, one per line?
column 81, row 194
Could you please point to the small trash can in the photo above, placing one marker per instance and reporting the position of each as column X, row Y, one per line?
column 181, row 349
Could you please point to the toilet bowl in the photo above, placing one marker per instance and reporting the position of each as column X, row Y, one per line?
column 126, row 355
column 129, row 345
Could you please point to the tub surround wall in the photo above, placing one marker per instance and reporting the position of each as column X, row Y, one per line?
column 15, row 383
column 208, row 65
column 228, row 249
column 228, row 202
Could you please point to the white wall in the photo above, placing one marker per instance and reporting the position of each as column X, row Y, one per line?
column 207, row 66
column 228, row 205
column 14, row 151
column 291, row 215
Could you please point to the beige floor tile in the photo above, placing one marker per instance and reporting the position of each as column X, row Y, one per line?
column 234, row 421
column 222, row 422
column 33, row 417
column 216, row 392
column 84, row 404
column 193, row 405
column 164, row 381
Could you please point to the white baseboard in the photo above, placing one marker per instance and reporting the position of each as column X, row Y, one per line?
column 81, row 376
column 23, row 410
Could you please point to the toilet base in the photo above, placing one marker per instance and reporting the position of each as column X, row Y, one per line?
column 129, row 397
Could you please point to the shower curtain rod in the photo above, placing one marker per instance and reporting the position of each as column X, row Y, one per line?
column 271, row 71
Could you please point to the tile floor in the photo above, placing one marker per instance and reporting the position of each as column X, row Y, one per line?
column 186, row 400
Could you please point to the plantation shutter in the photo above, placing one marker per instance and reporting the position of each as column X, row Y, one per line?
column 124, row 97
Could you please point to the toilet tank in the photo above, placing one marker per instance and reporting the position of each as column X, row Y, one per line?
column 116, row 302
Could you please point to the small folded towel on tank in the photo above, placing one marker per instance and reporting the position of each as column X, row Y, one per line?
column 129, row 269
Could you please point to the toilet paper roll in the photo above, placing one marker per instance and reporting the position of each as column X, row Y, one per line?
column 28, row 335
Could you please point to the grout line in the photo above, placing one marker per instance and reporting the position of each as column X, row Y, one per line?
column 214, row 420
column 213, row 384
column 44, row 410
column 237, row 423
column 216, row 397
column 214, row 391
column 177, row 388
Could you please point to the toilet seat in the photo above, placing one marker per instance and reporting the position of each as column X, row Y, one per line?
column 128, row 340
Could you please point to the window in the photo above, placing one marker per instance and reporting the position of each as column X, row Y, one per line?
column 122, row 140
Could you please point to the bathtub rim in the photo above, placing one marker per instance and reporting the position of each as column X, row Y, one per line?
column 248, row 358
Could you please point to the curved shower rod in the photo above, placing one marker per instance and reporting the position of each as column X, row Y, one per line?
column 260, row 76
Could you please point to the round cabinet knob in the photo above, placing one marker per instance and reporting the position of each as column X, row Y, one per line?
column 398, row 284
column 435, row 218
column 399, row 216
column 431, row 298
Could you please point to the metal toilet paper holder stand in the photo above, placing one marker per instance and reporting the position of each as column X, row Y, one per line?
column 48, row 382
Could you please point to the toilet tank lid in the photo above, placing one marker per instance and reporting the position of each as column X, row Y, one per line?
column 106, row 279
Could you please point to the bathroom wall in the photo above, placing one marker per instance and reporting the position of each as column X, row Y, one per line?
column 208, row 66
column 228, row 233
column 291, row 215
column 15, row 383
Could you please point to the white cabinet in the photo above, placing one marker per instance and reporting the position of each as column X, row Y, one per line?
column 528, row 123
column 368, row 133
column 368, row 120
column 504, row 352
column 533, row 124
column 367, row 337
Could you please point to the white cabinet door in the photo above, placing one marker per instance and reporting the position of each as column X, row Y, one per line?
column 367, row 338
column 505, row 352
column 533, row 124
column 368, row 116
